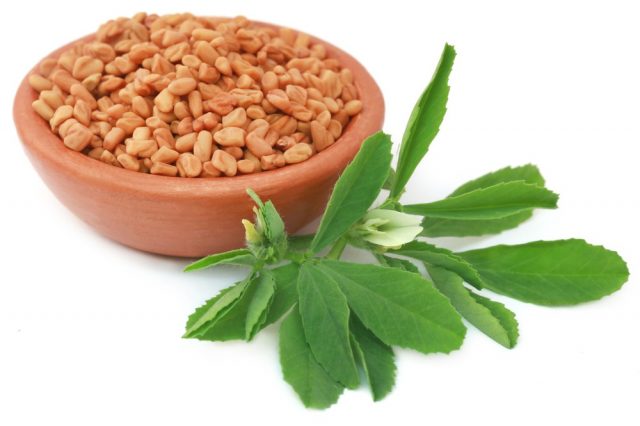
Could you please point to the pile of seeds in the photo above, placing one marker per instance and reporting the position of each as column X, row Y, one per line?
column 180, row 95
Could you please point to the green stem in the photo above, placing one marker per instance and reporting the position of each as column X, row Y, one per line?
column 337, row 249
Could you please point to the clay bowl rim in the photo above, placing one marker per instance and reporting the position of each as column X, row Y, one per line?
column 37, row 136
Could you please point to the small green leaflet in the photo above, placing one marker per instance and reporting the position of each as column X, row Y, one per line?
column 376, row 358
column 355, row 191
column 438, row 256
column 394, row 262
column 259, row 304
column 493, row 202
column 215, row 308
column 553, row 273
column 325, row 317
column 285, row 292
column 491, row 318
column 401, row 308
column 436, row 227
column 242, row 257
column 301, row 370
column 424, row 122
column 268, row 218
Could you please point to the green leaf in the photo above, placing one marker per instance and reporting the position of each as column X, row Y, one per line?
column 300, row 242
column 241, row 257
column 438, row 256
column 285, row 292
column 436, row 227
column 553, row 273
column 259, row 304
column 401, row 308
column 491, row 318
column 269, row 225
column 390, row 178
column 424, row 122
column 394, row 262
column 355, row 191
column 493, row 202
column 376, row 358
column 214, row 308
column 325, row 317
column 301, row 370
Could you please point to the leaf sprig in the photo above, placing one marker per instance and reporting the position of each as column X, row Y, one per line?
column 343, row 318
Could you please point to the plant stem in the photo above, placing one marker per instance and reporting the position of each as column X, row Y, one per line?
column 337, row 249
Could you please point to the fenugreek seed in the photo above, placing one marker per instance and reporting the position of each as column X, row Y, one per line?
column 102, row 51
column 235, row 151
column 184, row 126
column 230, row 136
column 204, row 34
column 165, row 155
column 81, row 92
column 255, row 112
column 164, row 137
column 259, row 127
column 285, row 143
column 209, row 170
column 141, row 106
column 203, row 148
column 182, row 86
column 128, row 162
column 331, row 105
column 82, row 112
column 321, row 137
column 224, row 162
column 39, row 83
column 129, row 122
column 116, row 111
column 60, row 115
column 52, row 98
column 163, row 169
column 301, row 113
column 46, row 66
column 78, row 137
column 63, row 79
column 185, row 143
column 246, row 166
column 164, row 101
column 42, row 109
column 189, row 165
column 84, row 66
column 296, row 94
column 273, row 161
column 142, row 133
column 244, row 82
column 141, row 148
column 109, row 158
column 181, row 110
column 258, row 146
column 324, row 118
column 191, row 61
column 223, row 66
column 353, row 107
column 195, row 104
column 279, row 99
column 235, row 118
column 335, row 128
column 96, row 153
column 90, row 83
column 298, row 153
column 255, row 160
column 64, row 127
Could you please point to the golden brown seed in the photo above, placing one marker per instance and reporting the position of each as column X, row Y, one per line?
column 324, row 118
column 208, row 170
column 141, row 106
column 163, row 169
column 189, row 165
column 164, row 137
column 279, row 99
column 246, row 166
column 353, row 107
column 165, row 155
column 164, row 101
column 297, row 94
column 42, row 109
column 335, row 128
column 81, row 92
column 143, row 148
column 63, row 79
column 258, row 146
column 223, row 66
column 115, row 137
column 321, row 137
column 82, row 112
column 142, row 133
column 195, row 104
column 255, row 112
column 224, row 162
column 298, row 153
column 203, row 34
column 235, row 118
column 96, row 153
column 235, row 151
column 109, row 158
column 60, row 115
column 273, row 161
column 84, row 66
column 285, row 143
column 129, row 122
column 185, row 143
column 90, row 83
column 128, row 162
column 64, row 127
column 52, row 98
column 203, row 148
column 230, row 136
column 78, row 137
column 46, row 66
column 182, row 86
column 39, row 83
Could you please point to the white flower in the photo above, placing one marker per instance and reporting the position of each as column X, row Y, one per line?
column 389, row 228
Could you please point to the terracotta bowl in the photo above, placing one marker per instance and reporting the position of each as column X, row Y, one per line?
column 190, row 217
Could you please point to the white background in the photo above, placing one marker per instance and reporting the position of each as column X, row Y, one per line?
column 90, row 330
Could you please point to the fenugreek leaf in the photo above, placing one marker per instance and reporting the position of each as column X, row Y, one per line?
column 285, row 292
column 214, row 308
column 300, row 242
column 401, row 308
column 553, row 273
column 493, row 202
column 438, row 256
column 376, row 358
column 437, row 227
column 325, row 317
column 241, row 257
column 491, row 318
column 301, row 370
column 260, row 303
column 394, row 262
column 355, row 190
column 424, row 122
